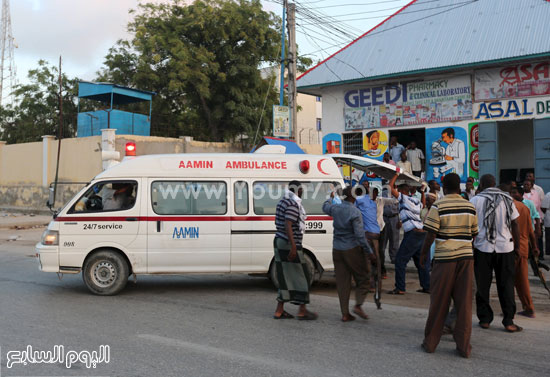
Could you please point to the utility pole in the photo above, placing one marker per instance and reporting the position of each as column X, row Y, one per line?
column 292, row 69
column 283, row 36
column 59, row 131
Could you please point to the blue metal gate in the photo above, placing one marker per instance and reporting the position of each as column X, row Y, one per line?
column 488, row 149
column 542, row 152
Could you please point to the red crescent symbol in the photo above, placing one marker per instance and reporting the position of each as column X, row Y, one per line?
column 320, row 168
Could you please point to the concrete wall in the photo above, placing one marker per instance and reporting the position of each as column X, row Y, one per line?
column 26, row 170
column 21, row 163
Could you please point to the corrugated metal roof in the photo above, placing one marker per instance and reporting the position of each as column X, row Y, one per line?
column 428, row 35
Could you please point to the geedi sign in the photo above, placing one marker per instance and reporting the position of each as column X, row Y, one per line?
column 411, row 103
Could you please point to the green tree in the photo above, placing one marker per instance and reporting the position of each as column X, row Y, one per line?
column 203, row 60
column 35, row 111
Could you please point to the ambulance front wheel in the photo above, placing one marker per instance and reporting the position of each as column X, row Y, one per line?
column 105, row 273
column 309, row 265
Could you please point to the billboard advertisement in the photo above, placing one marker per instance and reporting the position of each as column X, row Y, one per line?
column 408, row 104
column 473, row 152
column 375, row 144
column 521, row 80
column 446, row 152
column 281, row 121
column 332, row 143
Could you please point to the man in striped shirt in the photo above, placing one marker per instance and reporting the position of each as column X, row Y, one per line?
column 292, row 271
column 452, row 223
column 409, row 214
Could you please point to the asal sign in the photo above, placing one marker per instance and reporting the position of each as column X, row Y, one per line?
column 520, row 108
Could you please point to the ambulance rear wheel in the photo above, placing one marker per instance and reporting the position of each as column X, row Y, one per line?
column 309, row 265
column 105, row 273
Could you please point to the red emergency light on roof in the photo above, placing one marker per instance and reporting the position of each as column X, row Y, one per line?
column 130, row 149
column 304, row 166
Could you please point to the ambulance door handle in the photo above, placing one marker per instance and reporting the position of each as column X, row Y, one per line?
column 131, row 219
column 158, row 226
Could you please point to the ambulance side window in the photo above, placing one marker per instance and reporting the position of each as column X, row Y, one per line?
column 266, row 196
column 241, row 197
column 189, row 198
column 107, row 196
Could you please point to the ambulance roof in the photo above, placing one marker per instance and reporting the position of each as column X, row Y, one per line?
column 225, row 165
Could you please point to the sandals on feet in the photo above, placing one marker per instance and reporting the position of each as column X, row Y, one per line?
column 513, row 328
column 396, row 292
column 527, row 314
column 360, row 313
column 284, row 315
column 309, row 316
column 348, row 318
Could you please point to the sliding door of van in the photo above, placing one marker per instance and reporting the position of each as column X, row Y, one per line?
column 243, row 239
column 188, row 226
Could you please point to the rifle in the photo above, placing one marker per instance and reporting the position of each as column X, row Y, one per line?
column 378, row 282
column 536, row 265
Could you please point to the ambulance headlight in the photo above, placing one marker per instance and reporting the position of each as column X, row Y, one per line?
column 50, row 238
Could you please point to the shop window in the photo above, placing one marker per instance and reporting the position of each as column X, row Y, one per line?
column 353, row 143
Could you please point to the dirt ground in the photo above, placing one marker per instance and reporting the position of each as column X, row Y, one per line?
column 413, row 299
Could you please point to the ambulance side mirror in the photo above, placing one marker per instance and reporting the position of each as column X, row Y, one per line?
column 49, row 202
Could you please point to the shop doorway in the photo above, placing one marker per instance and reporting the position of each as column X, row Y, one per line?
column 516, row 150
column 405, row 137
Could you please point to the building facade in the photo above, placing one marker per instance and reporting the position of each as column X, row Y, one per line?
column 471, row 86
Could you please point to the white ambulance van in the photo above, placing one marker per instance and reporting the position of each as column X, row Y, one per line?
column 188, row 213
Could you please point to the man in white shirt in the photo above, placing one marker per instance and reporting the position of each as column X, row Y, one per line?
column 455, row 154
column 544, row 207
column 404, row 164
column 416, row 157
column 495, row 248
column 435, row 188
column 531, row 177
column 395, row 149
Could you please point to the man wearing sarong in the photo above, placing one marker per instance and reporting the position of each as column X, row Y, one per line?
column 292, row 272
column 526, row 237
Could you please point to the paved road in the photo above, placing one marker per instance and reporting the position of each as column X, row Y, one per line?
column 221, row 326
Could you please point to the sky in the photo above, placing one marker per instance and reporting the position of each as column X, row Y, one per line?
column 82, row 31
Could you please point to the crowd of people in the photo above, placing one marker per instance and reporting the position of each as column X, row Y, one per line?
column 452, row 235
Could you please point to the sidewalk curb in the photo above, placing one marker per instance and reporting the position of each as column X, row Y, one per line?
column 24, row 225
